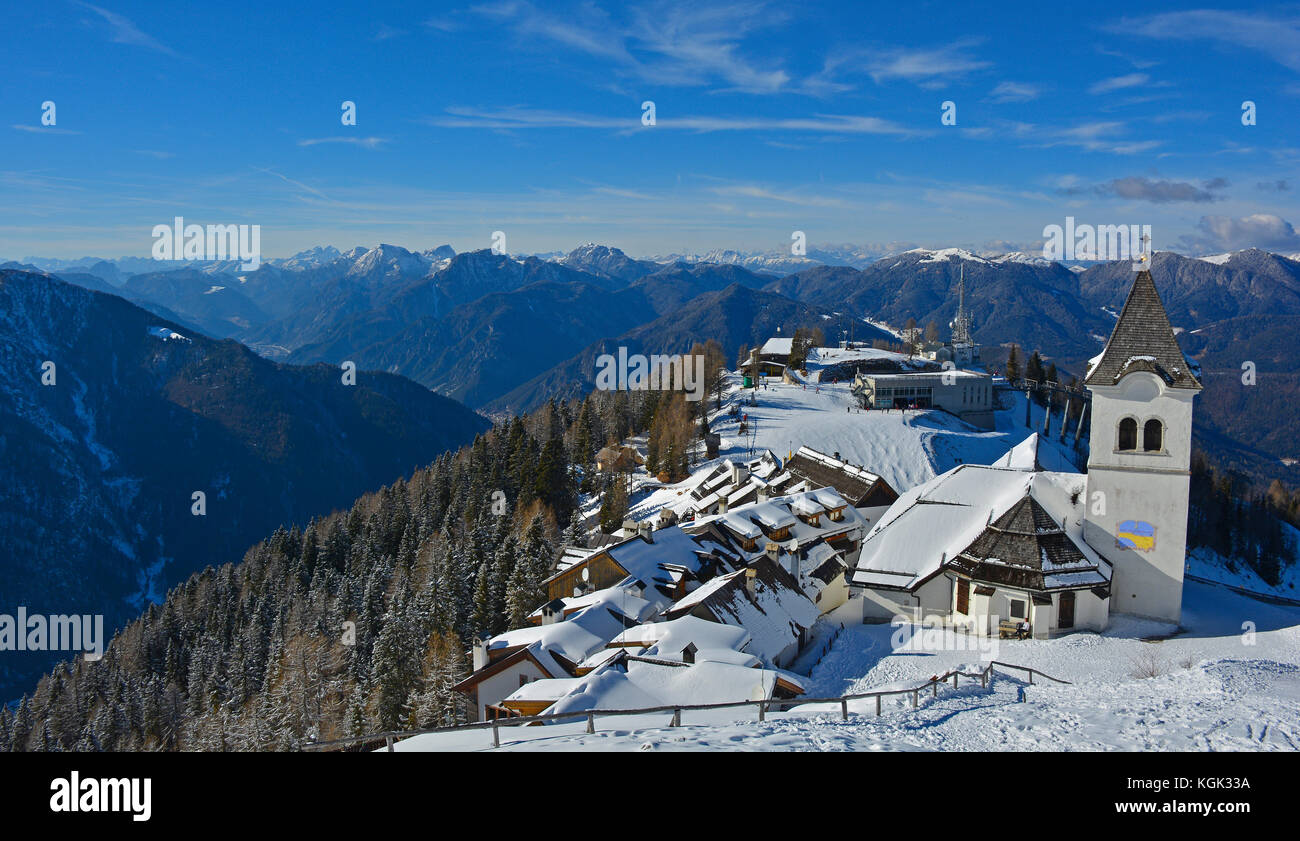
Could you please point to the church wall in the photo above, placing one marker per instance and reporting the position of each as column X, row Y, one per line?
column 1141, row 492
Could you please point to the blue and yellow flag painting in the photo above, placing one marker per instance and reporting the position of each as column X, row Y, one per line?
column 1136, row 534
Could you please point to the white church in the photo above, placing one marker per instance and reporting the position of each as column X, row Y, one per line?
column 1028, row 538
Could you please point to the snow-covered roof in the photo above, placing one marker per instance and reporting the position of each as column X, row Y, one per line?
column 666, row 640
column 639, row 684
column 548, row 689
column 618, row 599
column 777, row 345
column 930, row 525
column 663, row 557
column 770, row 516
column 752, row 521
column 1035, row 454
column 572, row 555
column 167, row 334
column 575, row 637
column 773, row 613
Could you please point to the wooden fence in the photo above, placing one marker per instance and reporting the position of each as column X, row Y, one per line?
column 763, row 707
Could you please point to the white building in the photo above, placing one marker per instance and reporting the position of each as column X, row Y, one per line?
column 987, row 544
column 1140, row 456
column 1029, row 539
column 966, row 394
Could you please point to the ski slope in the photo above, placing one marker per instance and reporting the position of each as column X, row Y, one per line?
column 906, row 448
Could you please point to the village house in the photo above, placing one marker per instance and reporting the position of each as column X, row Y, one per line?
column 774, row 355
column 764, row 600
column 553, row 648
column 790, row 524
column 666, row 560
column 987, row 544
column 730, row 484
column 858, row 486
column 628, row 682
column 618, row 459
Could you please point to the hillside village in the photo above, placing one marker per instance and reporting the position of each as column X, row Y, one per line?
column 852, row 492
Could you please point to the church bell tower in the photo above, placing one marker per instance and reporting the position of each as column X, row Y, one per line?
column 1140, row 456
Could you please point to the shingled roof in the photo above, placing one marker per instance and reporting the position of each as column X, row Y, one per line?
column 1143, row 340
column 855, row 484
column 1026, row 549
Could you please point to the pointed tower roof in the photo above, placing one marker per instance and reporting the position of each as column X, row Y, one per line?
column 1143, row 340
column 1026, row 548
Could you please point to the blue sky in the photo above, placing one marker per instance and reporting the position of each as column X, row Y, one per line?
column 525, row 117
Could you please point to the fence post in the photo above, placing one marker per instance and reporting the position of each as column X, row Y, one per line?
column 1031, row 677
column 984, row 678
column 591, row 722
column 761, row 707
column 677, row 717
column 844, row 709
column 496, row 736
column 955, row 675
column 878, row 706
column 934, row 687
column 388, row 740
column 916, row 697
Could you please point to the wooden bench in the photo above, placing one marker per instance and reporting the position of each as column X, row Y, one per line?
column 1008, row 628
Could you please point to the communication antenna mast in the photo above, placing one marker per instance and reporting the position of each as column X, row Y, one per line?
column 961, row 324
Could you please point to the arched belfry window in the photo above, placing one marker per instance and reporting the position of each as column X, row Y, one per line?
column 1153, row 436
column 1128, row 434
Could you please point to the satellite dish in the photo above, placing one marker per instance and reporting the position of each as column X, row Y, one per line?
column 586, row 574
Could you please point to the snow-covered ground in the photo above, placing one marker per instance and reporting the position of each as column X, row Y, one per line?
column 1208, row 564
column 1228, row 679
column 1214, row 687
column 906, row 448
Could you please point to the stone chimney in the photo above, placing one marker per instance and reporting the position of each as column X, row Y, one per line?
column 773, row 550
column 480, row 653
column 751, row 581
column 722, row 504
column 646, row 530
column 739, row 473
column 552, row 612
column 763, row 493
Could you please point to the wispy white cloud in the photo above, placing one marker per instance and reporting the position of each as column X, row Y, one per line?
column 924, row 65
column 527, row 118
column 754, row 191
column 367, row 142
column 664, row 43
column 383, row 32
column 1015, row 92
column 1099, row 136
column 44, row 129
column 1275, row 36
column 1115, row 83
column 297, row 184
column 124, row 31
column 1095, row 136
